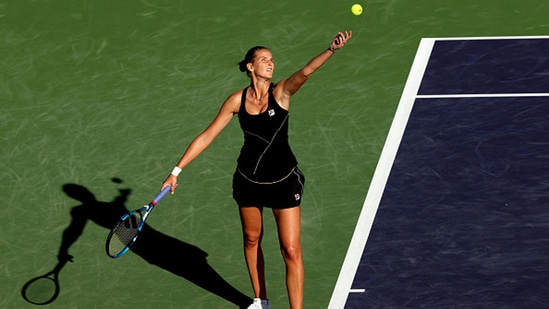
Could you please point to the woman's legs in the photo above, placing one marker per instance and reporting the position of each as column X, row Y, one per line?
column 289, row 233
column 252, row 229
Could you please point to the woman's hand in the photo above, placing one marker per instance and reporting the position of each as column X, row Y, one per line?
column 340, row 40
column 170, row 181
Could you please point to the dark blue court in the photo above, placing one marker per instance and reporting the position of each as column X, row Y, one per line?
column 463, row 221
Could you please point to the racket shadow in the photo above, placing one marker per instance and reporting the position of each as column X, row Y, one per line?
column 44, row 289
column 171, row 254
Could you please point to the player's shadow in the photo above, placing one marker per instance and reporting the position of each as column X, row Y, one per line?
column 171, row 254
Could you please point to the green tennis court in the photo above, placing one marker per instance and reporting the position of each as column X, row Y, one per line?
column 96, row 91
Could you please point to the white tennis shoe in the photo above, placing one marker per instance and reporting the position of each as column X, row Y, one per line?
column 260, row 304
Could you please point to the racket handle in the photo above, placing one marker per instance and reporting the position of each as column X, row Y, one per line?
column 161, row 195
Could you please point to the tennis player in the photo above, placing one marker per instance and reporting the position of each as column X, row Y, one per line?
column 266, row 174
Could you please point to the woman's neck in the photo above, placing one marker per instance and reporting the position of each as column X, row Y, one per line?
column 259, row 89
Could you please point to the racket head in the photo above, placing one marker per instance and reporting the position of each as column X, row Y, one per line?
column 125, row 232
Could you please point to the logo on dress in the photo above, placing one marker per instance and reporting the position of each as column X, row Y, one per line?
column 271, row 112
column 297, row 196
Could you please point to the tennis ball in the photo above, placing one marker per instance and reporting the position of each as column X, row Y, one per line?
column 356, row 9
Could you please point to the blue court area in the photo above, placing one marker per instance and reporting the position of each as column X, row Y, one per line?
column 462, row 220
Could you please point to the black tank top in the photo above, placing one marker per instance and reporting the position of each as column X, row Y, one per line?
column 266, row 156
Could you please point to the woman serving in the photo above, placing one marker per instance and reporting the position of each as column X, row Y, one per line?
column 267, row 174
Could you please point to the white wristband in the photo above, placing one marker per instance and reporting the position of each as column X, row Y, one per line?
column 176, row 170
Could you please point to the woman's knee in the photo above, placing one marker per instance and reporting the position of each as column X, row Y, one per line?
column 291, row 253
column 252, row 239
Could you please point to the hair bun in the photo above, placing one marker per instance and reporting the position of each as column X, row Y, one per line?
column 242, row 66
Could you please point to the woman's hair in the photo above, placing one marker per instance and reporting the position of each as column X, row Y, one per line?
column 242, row 65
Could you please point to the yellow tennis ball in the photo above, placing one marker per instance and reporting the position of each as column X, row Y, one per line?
column 356, row 9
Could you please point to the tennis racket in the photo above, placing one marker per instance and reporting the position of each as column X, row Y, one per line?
column 125, row 232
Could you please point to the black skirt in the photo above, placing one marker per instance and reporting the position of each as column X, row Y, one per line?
column 286, row 193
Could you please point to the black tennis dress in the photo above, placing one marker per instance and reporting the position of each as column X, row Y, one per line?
column 266, row 173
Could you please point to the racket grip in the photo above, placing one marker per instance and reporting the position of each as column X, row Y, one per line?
column 161, row 195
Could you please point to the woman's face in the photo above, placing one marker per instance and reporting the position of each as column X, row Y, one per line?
column 263, row 64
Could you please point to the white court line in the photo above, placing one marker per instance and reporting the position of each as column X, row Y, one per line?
column 531, row 37
column 494, row 95
column 381, row 174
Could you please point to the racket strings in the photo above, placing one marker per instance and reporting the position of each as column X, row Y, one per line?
column 124, row 233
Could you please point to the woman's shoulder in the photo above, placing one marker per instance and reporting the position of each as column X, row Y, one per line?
column 234, row 100
column 278, row 87
column 237, row 95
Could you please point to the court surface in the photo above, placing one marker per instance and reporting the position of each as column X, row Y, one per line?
column 456, row 216
column 98, row 100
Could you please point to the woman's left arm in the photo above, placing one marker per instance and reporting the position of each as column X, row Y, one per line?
column 292, row 84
